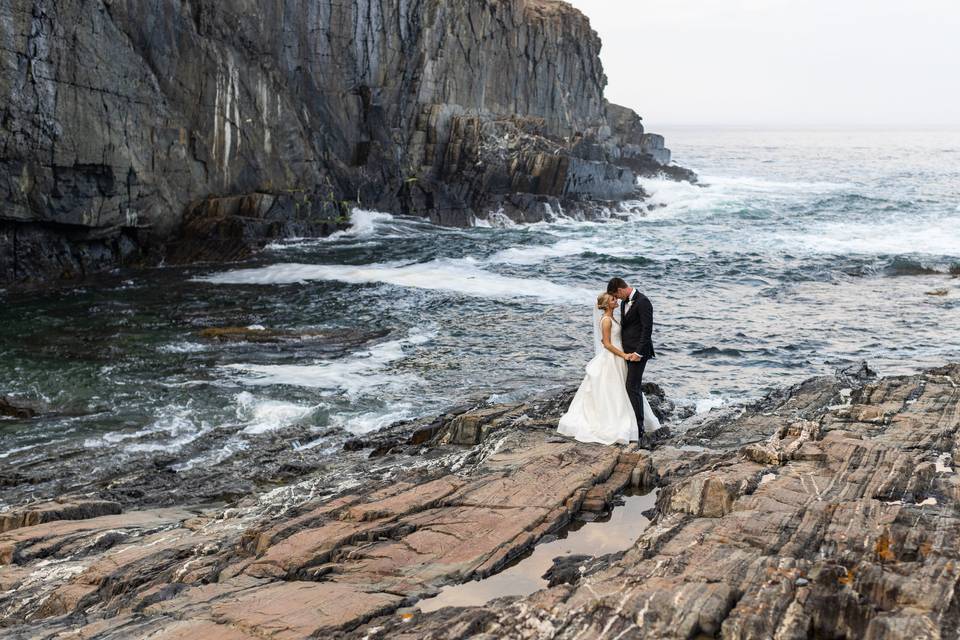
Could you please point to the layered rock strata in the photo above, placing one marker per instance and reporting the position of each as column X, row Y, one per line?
column 825, row 510
column 128, row 124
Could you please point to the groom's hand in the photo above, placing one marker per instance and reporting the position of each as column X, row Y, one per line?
column 633, row 357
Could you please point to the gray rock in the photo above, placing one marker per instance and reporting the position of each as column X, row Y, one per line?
column 566, row 569
column 134, row 131
column 10, row 410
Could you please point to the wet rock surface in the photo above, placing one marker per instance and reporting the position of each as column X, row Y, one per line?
column 204, row 129
column 10, row 410
column 825, row 510
column 285, row 563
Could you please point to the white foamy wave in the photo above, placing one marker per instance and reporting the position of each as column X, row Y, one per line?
column 669, row 198
column 10, row 452
column 461, row 276
column 494, row 220
column 263, row 415
column 939, row 238
column 168, row 445
column 480, row 223
column 705, row 405
column 719, row 194
column 752, row 184
column 228, row 449
column 182, row 347
column 353, row 377
column 169, row 432
column 373, row 420
column 363, row 224
column 534, row 254
column 354, row 374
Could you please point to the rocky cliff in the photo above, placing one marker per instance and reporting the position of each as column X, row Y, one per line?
column 128, row 125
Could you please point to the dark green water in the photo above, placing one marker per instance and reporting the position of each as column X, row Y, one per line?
column 805, row 251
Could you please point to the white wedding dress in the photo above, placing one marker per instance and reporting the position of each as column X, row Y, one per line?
column 601, row 411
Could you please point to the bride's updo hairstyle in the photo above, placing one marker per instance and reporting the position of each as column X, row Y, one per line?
column 603, row 300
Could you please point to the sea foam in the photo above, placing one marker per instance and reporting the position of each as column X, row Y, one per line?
column 363, row 224
column 263, row 415
column 354, row 374
column 459, row 275
column 173, row 428
column 899, row 237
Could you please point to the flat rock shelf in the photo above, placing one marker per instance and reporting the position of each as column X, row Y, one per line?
column 828, row 509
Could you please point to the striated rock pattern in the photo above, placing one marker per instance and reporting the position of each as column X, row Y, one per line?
column 828, row 510
column 290, row 565
column 129, row 123
column 841, row 523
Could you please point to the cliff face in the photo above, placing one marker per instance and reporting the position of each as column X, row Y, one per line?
column 128, row 124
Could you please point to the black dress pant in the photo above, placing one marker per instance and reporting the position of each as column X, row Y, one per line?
column 634, row 388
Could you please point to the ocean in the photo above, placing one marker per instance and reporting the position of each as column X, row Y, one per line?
column 799, row 252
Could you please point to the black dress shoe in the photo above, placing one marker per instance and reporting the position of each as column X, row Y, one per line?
column 647, row 442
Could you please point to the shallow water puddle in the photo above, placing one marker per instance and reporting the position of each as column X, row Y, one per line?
column 523, row 577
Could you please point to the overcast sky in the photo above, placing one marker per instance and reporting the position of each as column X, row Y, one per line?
column 782, row 62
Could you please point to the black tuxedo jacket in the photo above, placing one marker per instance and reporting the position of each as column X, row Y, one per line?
column 637, row 326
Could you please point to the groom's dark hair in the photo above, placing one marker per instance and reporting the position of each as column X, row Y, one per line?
column 616, row 284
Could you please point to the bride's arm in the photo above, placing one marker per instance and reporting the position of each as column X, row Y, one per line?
column 605, row 325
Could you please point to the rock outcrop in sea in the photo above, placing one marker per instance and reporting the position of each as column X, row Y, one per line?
column 826, row 510
column 182, row 131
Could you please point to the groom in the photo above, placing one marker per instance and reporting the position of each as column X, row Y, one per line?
column 636, row 326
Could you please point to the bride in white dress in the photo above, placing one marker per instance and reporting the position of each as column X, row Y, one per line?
column 601, row 411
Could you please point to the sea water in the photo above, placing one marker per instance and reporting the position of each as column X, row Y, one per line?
column 797, row 253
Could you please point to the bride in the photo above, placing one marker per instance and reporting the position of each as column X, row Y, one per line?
column 601, row 411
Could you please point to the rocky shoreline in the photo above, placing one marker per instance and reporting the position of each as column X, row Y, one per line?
column 828, row 509
column 141, row 133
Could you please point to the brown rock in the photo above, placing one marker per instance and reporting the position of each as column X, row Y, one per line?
column 850, row 529
column 69, row 536
column 295, row 610
column 200, row 630
column 809, row 451
column 417, row 499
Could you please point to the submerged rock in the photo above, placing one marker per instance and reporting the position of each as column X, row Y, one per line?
column 10, row 410
column 343, row 339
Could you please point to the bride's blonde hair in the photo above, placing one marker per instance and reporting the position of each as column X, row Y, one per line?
column 603, row 300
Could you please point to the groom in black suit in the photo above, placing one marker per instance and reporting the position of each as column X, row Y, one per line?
column 636, row 327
